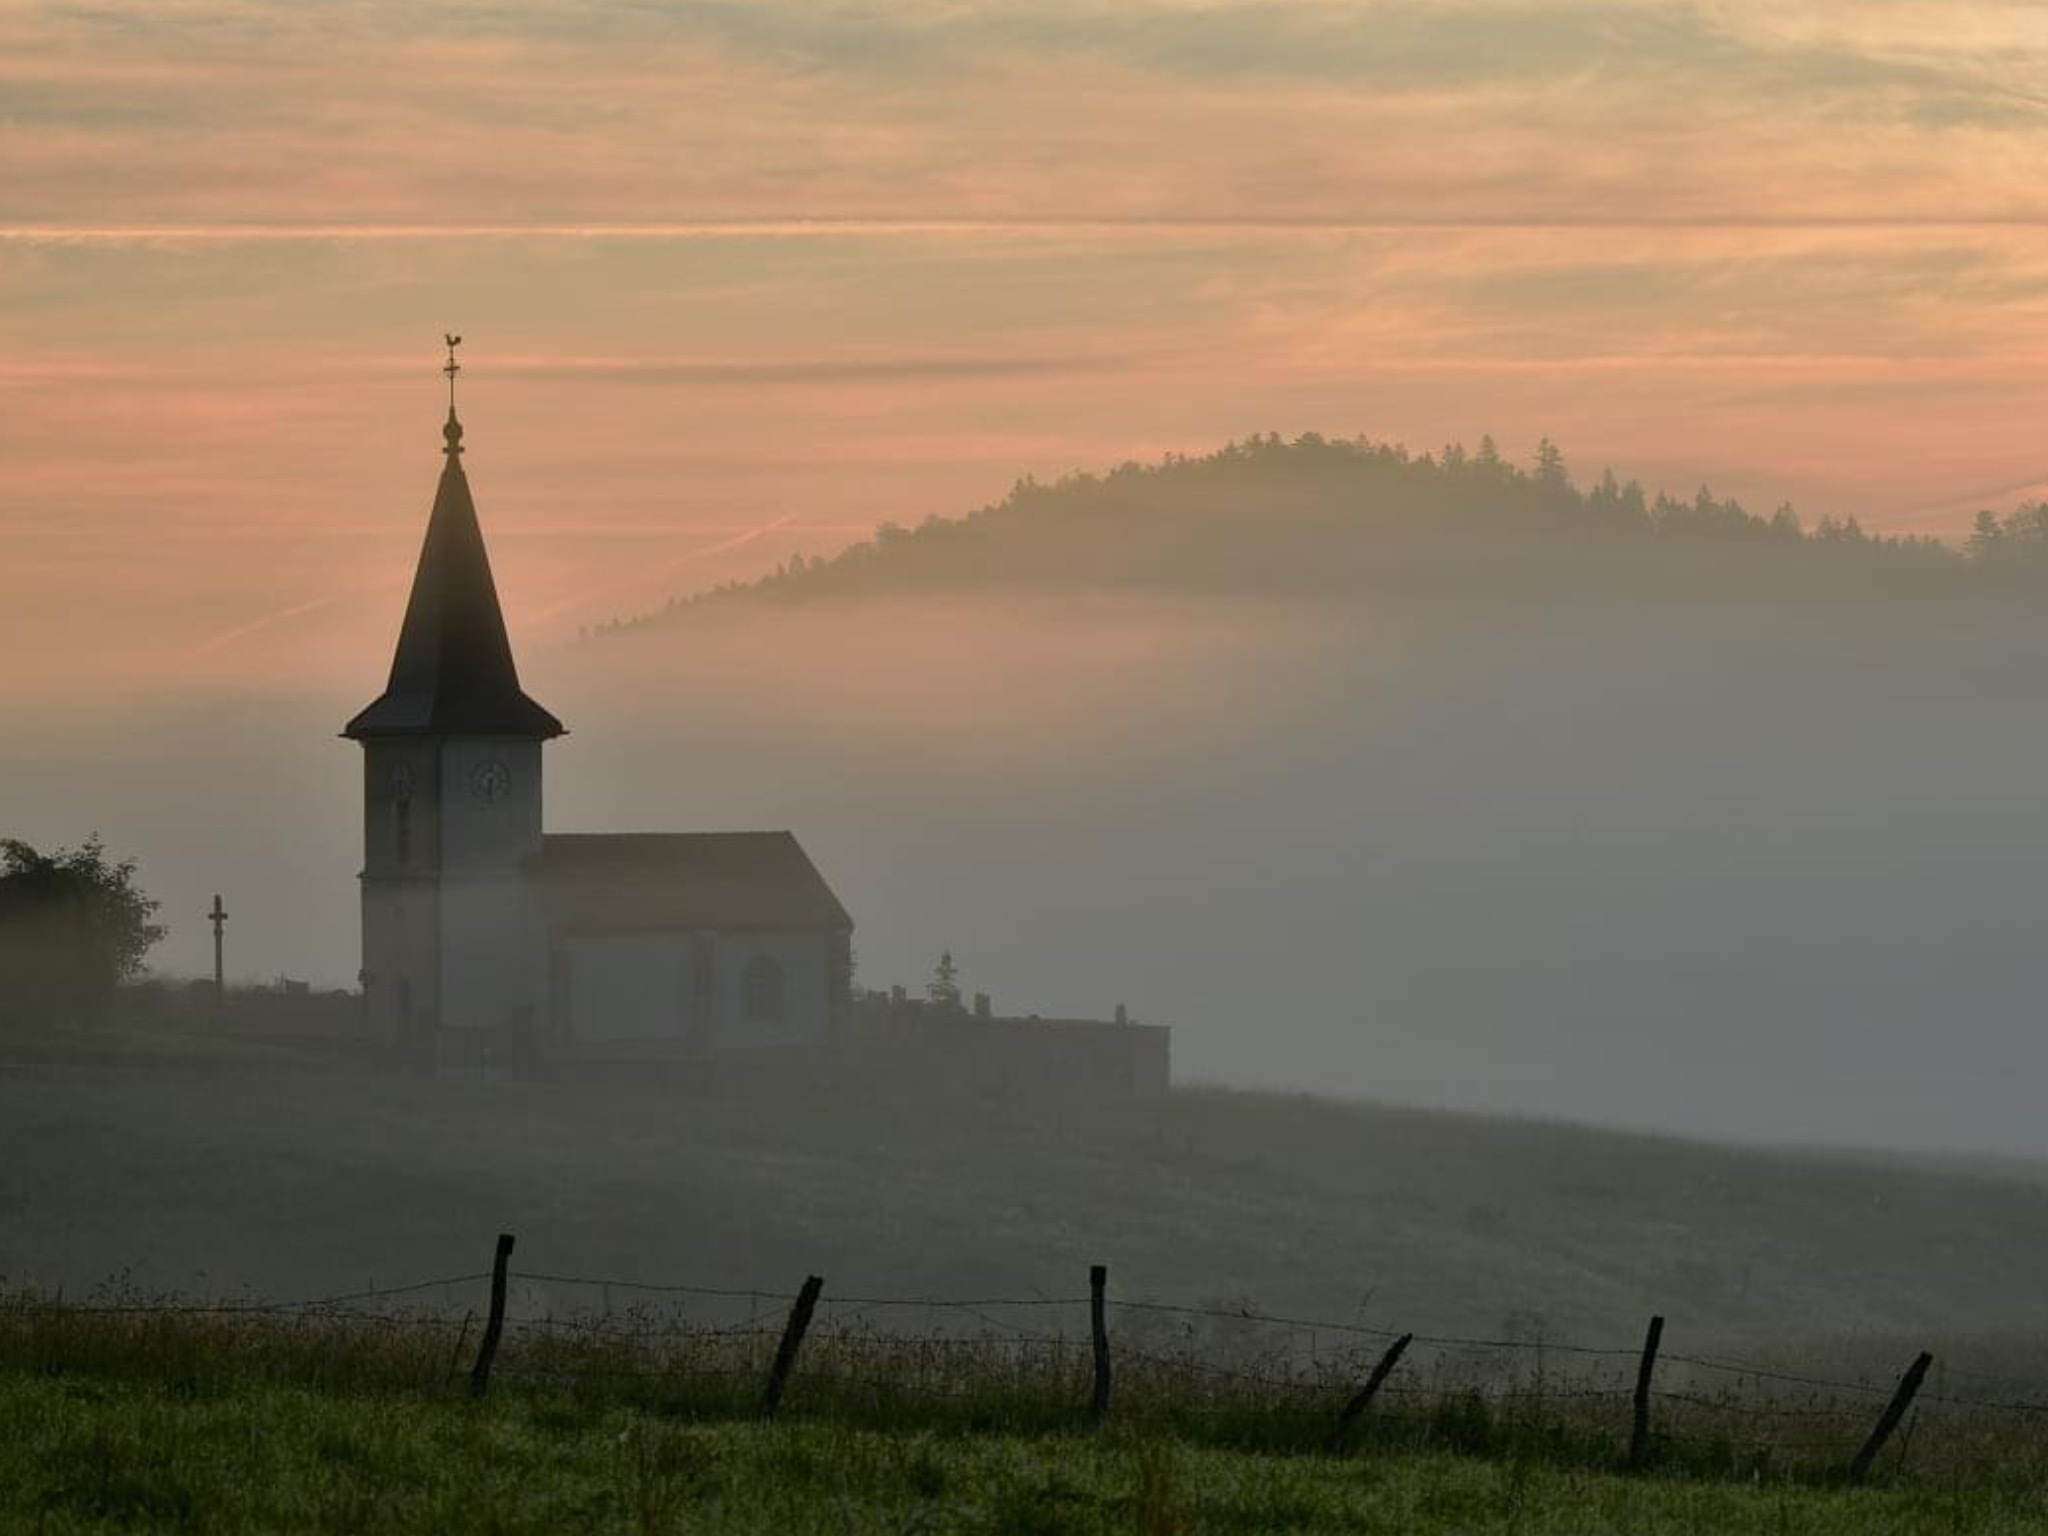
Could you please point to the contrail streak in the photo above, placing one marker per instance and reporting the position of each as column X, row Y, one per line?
column 642, row 577
column 228, row 637
column 1977, row 498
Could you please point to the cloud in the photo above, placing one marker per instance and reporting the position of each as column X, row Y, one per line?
column 1402, row 45
column 386, row 120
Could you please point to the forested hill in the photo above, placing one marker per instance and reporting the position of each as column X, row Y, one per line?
column 1336, row 517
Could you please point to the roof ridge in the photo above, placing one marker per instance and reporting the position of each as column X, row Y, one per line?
column 665, row 881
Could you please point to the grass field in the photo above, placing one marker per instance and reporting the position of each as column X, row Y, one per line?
column 139, row 1421
column 210, row 1169
column 218, row 1176
column 289, row 1461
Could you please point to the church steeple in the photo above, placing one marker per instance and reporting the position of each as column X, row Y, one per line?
column 453, row 674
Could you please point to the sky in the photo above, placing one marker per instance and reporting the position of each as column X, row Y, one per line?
column 744, row 279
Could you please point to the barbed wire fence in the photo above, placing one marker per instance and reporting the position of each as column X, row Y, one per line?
column 1085, row 1353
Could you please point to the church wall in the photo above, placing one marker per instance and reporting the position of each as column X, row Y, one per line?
column 686, row 991
column 806, row 962
column 920, row 1046
column 450, row 934
column 401, row 967
column 490, row 794
column 490, row 809
column 401, row 959
column 633, row 986
column 490, row 954
column 401, row 774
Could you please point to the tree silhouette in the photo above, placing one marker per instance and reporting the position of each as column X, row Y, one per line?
column 73, row 927
column 1985, row 535
column 944, row 988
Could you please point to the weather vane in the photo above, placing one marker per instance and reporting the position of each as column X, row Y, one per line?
column 452, row 367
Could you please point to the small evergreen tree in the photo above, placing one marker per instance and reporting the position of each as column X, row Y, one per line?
column 1985, row 535
column 944, row 988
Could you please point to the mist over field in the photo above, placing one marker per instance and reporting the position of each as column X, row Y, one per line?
column 1733, row 839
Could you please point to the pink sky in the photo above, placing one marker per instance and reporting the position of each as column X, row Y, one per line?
column 741, row 279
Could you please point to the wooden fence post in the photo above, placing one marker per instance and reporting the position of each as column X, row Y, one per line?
column 494, row 1326
column 792, row 1341
column 1888, row 1421
column 1639, row 1436
column 1098, row 1327
column 455, row 1354
column 1362, row 1399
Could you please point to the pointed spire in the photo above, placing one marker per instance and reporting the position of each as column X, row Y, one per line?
column 453, row 673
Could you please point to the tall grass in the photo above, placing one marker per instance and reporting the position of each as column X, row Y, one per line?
column 573, row 1372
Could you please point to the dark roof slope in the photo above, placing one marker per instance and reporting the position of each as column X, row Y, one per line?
column 676, row 880
column 453, row 673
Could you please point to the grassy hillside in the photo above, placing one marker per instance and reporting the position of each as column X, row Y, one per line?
column 212, row 1178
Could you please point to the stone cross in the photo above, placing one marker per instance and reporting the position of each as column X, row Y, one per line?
column 219, row 918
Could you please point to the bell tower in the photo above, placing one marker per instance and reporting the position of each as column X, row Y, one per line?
column 451, row 801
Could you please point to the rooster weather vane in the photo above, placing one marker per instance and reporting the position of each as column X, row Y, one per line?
column 452, row 432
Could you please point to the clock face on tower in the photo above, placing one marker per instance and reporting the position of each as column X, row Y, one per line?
column 490, row 780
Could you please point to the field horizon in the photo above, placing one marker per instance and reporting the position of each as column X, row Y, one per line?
column 220, row 1173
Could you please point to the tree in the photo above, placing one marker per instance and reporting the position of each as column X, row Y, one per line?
column 1985, row 535
column 944, row 987
column 73, row 927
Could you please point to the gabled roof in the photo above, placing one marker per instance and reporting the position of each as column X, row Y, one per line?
column 628, row 881
column 453, row 673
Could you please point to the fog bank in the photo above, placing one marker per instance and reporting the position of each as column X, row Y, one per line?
column 1752, row 870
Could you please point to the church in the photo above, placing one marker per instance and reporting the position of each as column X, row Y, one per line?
column 488, row 940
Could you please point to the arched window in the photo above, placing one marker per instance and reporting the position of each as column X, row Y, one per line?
column 761, row 991
column 401, row 812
